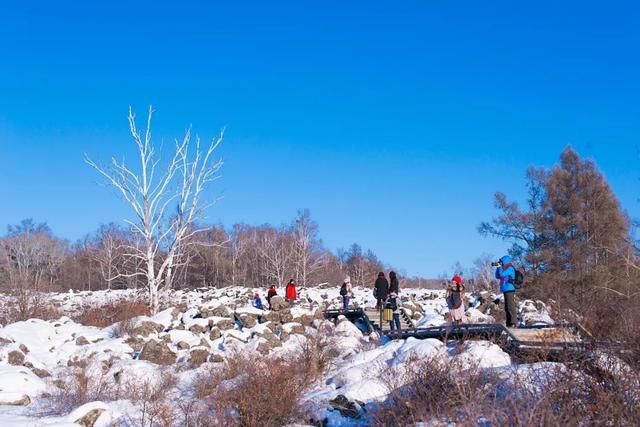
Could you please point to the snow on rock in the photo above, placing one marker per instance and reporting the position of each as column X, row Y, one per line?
column 474, row 315
column 177, row 336
column 482, row 354
column 415, row 349
column 346, row 328
column 18, row 381
column 92, row 413
column 366, row 390
column 165, row 317
column 534, row 313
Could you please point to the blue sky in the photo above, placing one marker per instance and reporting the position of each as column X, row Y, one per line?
column 393, row 122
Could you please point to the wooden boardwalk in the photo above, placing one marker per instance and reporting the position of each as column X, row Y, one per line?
column 374, row 316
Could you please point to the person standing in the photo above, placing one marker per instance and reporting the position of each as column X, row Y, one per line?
column 506, row 274
column 393, row 303
column 394, row 286
column 290, row 291
column 271, row 292
column 455, row 301
column 346, row 292
column 381, row 289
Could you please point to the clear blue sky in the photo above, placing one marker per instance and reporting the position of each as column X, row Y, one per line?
column 393, row 122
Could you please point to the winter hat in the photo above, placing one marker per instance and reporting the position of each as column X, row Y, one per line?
column 505, row 260
column 457, row 279
column 380, row 275
column 347, row 279
column 392, row 274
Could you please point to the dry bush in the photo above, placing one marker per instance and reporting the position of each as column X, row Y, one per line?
column 252, row 392
column 113, row 312
column 582, row 392
column 26, row 305
column 75, row 390
column 431, row 389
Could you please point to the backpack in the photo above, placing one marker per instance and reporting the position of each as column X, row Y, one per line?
column 518, row 280
column 343, row 289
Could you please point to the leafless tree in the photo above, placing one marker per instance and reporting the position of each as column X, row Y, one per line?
column 308, row 253
column 108, row 251
column 482, row 271
column 276, row 253
column 151, row 192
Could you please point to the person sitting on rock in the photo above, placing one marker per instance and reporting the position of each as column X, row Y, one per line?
column 455, row 295
column 290, row 291
column 257, row 302
column 271, row 292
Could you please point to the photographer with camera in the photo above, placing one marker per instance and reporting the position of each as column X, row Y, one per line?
column 506, row 274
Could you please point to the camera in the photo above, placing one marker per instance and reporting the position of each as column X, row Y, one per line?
column 496, row 264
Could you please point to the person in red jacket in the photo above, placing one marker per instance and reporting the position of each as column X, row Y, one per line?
column 271, row 292
column 290, row 291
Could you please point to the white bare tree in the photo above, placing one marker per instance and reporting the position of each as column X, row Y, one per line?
column 152, row 192
column 309, row 257
column 107, row 251
column 275, row 248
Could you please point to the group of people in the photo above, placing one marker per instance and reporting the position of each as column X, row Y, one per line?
column 290, row 294
column 386, row 293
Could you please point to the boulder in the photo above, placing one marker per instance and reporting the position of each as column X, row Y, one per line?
column 136, row 343
column 225, row 324
column 264, row 347
column 217, row 358
column 220, row 311
column 278, row 304
column 10, row 400
column 15, row 358
column 198, row 329
column 146, row 328
column 198, row 356
column 82, row 341
column 41, row 372
column 345, row 407
column 183, row 345
column 158, row 352
column 215, row 333
column 286, row 316
column 90, row 418
column 272, row 316
column 23, row 348
column 305, row 319
column 248, row 321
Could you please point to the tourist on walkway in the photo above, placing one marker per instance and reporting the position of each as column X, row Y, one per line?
column 506, row 274
column 381, row 290
column 346, row 292
column 455, row 300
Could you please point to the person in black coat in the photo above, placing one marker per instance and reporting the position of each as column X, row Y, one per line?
column 381, row 289
column 394, row 286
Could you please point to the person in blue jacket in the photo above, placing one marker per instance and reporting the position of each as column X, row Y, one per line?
column 506, row 274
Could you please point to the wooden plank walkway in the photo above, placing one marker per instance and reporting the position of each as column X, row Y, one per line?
column 374, row 317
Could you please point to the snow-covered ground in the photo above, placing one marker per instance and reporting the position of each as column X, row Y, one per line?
column 37, row 358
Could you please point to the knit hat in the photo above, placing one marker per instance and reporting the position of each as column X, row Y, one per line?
column 380, row 275
column 347, row 279
column 457, row 279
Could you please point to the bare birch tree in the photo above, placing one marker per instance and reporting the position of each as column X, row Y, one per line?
column 151, row 192
column 307, row 248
